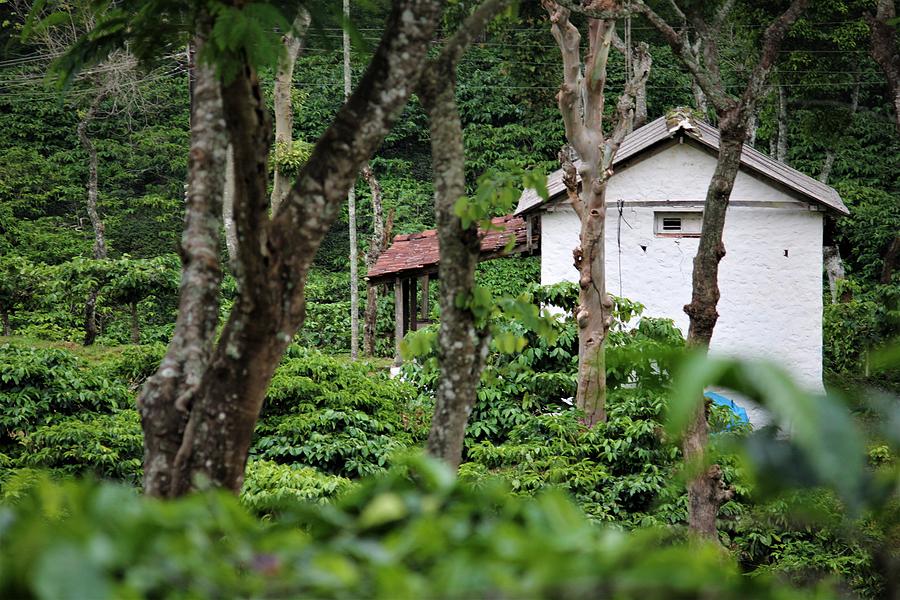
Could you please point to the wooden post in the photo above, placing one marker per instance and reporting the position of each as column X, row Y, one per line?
column 398, row 320
column 412, row 312
column 425, row 308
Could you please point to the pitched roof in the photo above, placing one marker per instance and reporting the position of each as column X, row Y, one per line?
column 703, row 133
column 418, row 253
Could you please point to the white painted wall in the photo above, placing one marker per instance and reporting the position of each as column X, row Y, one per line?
column 771, row 304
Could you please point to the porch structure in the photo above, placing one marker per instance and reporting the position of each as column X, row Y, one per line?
column 410, row 264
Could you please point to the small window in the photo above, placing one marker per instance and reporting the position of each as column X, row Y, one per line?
column 678, row 224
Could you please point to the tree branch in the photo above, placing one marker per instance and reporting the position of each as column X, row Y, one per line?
column 771, row 43
column 569, row 97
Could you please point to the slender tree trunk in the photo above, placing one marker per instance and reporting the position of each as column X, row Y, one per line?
column 376, row 247
column 351, row 212
column 834, row 268
column 707, row 491
column 463, row 341
column 830, row 154
column 274, row 256
column 782, row 147
column 284, row 111
column 884, row 49
column 891, row 260
column 135, row 324
column 231, row 240
column 752, row 128
column 4, row 316
column 165, row 399
column 99, row 250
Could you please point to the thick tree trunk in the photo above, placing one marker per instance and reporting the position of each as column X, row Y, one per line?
column 594, row 312
column 165, row 400
column 274, row 255
column 376, row 247
column 135, row 324
column 99, row 250
column 782, row 147
column 581, row 102
column 281, row 95
column 884, row 50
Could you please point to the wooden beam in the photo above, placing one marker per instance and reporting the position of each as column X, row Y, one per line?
column 413, row 313
column 398, row 321
column 404, row 298
column 425, row 308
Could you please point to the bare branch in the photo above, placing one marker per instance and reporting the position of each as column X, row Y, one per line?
column 771, row 43
column 569, row 96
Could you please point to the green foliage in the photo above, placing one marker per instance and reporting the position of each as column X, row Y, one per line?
column 269, row 486
column 343, row 418
column 410, row 534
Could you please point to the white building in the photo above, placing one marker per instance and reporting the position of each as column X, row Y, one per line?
column 771, row 277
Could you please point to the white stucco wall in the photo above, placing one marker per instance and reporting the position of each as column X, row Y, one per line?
column 771, row 304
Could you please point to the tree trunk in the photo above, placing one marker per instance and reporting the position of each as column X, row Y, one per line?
column 463, row 341
column 581, row 104
column 231, row 241
column 782, row 147
column 274, row 256
column 830, row 154
column 165, row 399
column 99, row 250
column 594, row 312
column 4, row 317
column 707, row 491
column 376, row 247
column 884, row 50
column 281, row 95
column 891, row 260
column 834, row 268
column 135, row 324
column 351, row 211
column 752, row 128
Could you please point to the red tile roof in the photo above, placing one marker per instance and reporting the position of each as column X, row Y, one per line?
column 417, row 253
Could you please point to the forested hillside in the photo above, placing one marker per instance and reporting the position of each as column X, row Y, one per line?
column 335, row 500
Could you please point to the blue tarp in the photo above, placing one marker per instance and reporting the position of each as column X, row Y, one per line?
column 721, row 400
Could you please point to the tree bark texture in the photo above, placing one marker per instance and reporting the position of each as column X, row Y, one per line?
column 581, row 103
column 834, row 269
column 273, row 258
column 283, row 106
column 351, row 210
column 884, row 50
column 782, row 145
column 376, row 246
column 99, row 249
column 231, row 241
column 462, row 341
column 707, row 491
column 165, row 399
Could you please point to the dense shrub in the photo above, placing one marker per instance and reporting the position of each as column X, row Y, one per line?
column 407, row 534
column 345, row 418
